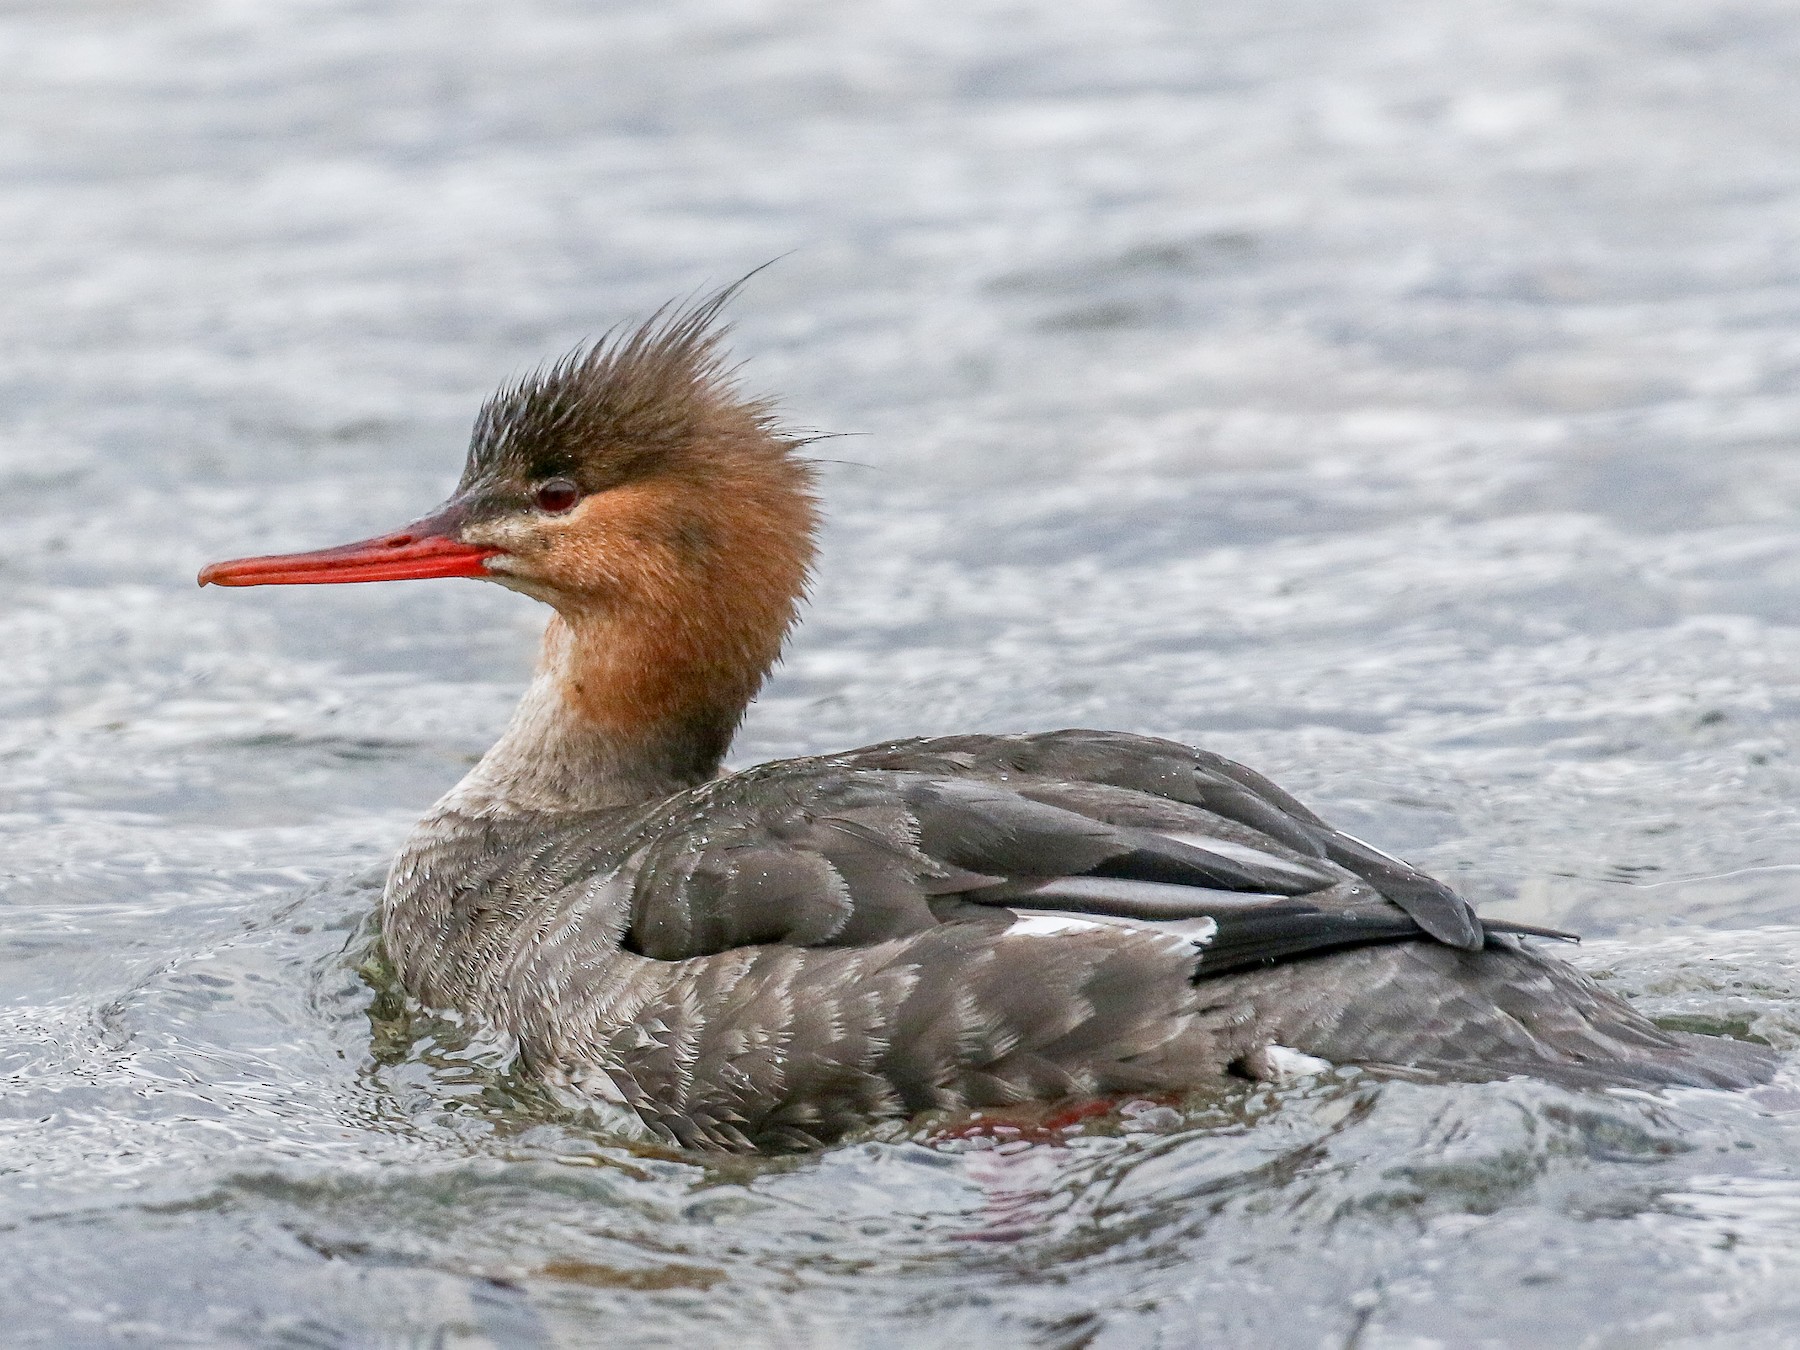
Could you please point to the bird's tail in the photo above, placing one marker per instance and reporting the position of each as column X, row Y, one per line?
column 1505, row 1010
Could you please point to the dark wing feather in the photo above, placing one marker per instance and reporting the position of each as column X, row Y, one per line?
column 1440, row 911
column 1218, row 785
column 1269, row 934
column 993, row 830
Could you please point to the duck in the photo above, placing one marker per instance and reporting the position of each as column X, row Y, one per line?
column 775, row 957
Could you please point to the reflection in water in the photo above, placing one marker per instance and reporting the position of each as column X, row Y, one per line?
column 1397, row 397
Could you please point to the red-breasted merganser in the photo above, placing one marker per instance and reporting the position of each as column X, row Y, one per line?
column 769, row 958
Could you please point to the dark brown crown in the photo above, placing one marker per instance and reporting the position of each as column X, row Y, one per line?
column 628, row 406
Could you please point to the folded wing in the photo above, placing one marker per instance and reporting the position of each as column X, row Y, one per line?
column 1005, row 831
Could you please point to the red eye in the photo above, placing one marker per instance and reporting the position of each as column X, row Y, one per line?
column 556, row 495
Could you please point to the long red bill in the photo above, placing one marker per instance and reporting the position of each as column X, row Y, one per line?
column 412, row 554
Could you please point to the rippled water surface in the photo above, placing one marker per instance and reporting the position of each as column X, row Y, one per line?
column 1400, row 396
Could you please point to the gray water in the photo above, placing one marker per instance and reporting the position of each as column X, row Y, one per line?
column 1399, row 396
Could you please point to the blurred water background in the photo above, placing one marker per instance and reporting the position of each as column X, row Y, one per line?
column 1399, row 396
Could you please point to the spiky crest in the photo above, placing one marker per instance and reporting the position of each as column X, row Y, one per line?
column 632, row 402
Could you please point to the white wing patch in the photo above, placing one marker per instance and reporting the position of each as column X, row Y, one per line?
column 1291, row 1063
column 1048, row 925
column 1194, row 933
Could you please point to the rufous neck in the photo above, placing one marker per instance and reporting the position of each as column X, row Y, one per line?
column 610, row 719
